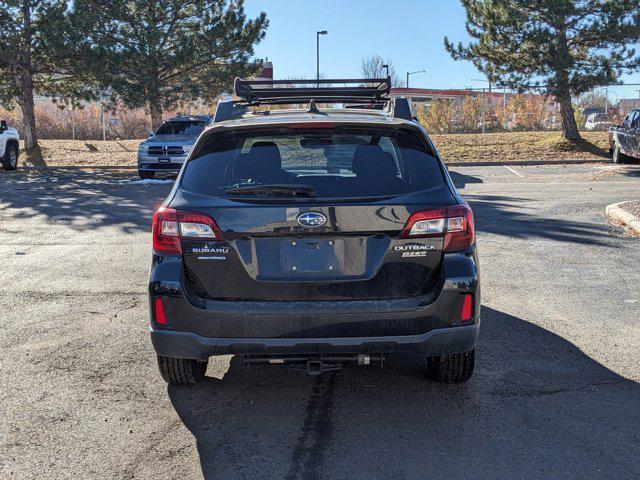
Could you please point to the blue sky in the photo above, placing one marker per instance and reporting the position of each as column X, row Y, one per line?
column 408, row 32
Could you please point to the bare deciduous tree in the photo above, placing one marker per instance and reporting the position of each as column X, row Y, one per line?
column 373, row 67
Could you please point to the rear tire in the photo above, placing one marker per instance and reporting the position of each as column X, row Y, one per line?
column 454, row 368
column 10, row 159
column 181, row 371
column 618, row 156
column 146, row 175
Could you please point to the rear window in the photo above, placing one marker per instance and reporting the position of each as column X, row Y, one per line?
column 334, row 163
column 187, row 127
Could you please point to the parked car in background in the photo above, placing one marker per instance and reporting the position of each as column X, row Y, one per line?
column 9, row 146
column 597, row 122
column 168, row 147
column 624, row 139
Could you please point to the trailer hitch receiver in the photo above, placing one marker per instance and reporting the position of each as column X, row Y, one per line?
column 315, row 364
column 318, row 367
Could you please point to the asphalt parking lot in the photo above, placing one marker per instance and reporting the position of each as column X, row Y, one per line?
column 555, row 393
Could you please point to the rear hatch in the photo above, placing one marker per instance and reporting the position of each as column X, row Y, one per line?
column 311, row 214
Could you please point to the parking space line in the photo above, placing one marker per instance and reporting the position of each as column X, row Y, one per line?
column 513, row 171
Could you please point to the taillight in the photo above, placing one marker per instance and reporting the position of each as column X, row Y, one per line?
column 171, row 226
column 196, row 225
column 165, row 231
column 455, row 224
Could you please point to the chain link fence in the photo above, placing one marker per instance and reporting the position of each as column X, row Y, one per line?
column 479, row 110
column 492, row 111
column 91, row 121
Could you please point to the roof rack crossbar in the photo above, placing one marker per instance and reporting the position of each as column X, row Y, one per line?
column 257, row 91
column 313, row 81
column 317, row 99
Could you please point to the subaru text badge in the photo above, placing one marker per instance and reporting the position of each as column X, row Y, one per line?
column 312, row 219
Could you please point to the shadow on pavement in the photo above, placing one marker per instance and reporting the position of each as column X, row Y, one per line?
column 87, row 199
column 90, row 199
column 631, row 171
column 508, row 216
column 537, row 407
column 460, row 180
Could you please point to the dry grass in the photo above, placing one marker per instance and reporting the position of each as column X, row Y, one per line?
column 497, row 147
column 519, row 146
column 83, row 152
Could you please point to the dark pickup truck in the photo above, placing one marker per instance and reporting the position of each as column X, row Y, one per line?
column 624, row 139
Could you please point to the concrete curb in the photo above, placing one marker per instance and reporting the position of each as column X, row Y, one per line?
column 617, row 213
column 523, row 163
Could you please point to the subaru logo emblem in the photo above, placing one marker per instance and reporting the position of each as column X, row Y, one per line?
column 312, row 219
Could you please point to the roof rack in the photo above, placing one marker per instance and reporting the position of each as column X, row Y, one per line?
column 256, row 92
column 368, row 93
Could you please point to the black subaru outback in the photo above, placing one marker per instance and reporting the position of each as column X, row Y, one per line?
column 314, row 237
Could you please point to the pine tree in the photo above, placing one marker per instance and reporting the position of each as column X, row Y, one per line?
column 568, row 46
column 158, row 53
column 33, row 37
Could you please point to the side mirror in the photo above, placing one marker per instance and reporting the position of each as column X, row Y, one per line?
column 151, row 134
column 3, row 125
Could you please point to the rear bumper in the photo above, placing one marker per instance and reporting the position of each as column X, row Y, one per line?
column 435, row 342
column 428, row 324
column 159, row 167
column 150, row 163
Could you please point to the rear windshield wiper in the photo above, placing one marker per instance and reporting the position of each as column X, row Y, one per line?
column 274, row 190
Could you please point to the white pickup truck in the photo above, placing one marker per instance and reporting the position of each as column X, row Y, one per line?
column 9, row 147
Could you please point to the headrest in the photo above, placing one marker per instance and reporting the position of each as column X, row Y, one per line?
column 372, row 161
column 266, row 154
column 262, row 163
column 264, row 144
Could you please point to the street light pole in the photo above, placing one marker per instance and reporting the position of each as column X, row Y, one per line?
column 411, row 73
column 322, row 32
